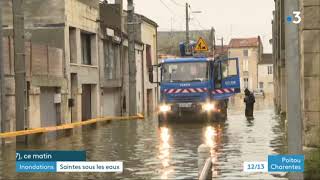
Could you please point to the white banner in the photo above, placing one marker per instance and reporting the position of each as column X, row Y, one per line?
column 89, row 166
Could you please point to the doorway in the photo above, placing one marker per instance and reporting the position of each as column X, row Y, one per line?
column 86, row 102
column 149, row 102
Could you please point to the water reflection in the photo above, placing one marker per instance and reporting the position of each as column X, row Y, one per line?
column 250, row 122
column 213, row 135
column 164, row 150
column 210, row 136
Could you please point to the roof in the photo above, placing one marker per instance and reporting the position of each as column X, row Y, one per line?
column 266, row 59
column 221, row 51
column 145, row 19
column 191, row 59
column 142, row 17
column 245, row 42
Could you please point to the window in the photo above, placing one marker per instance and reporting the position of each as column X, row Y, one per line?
column 112, row 59
column 260, row 85
column 229, row 68
column 245, row 53
column 270, row 68
column 185, row 72
column 245, row 65
column 72, row 45
column 86, row 48
column 217, row 75
column 149, row 62
column 245, row 82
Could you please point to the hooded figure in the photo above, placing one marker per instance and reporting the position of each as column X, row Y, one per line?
column 249, row 100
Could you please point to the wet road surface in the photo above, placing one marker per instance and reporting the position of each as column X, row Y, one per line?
column 153, row 151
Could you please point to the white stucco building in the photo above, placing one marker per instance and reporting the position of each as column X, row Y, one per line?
column 249, row 52
column 265, row 74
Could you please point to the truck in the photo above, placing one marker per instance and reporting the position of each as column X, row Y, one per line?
column 197, row 87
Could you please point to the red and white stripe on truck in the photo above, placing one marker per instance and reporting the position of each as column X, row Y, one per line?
column 186, row 90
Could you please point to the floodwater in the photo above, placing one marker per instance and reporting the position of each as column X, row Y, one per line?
column 152, row 151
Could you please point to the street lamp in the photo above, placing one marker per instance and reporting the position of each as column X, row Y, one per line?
column 196, row 12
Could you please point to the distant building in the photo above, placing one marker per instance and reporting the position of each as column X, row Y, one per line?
column 265, row 74
column 249, row 51
column 221, row 50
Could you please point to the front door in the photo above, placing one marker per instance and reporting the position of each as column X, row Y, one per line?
column 86, row 102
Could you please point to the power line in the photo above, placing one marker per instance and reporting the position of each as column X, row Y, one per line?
column 171, row 11
column 177, row 4
column 168, row 7
column 196, row 19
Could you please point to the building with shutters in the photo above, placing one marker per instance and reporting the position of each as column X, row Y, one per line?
column 265, row 74
column 249, row 51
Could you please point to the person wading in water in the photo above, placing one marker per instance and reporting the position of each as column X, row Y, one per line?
column 249, row 99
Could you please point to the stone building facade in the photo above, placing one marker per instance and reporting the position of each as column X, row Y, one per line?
column 77, row 61
column 309, row 48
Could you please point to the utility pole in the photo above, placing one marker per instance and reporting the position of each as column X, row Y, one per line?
column 2, row 82
column 293, row 83
column 187, row 28
column 222, row 43
column 19, row 64
column 132, row 60
column 212, row 41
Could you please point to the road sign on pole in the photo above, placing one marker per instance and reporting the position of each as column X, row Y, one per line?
column 201, row 45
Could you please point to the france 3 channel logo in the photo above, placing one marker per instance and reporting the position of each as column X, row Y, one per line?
column 62, row 161
column 295, row 18
column 277, row 163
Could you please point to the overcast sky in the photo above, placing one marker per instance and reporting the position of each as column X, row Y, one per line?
column 230, row 18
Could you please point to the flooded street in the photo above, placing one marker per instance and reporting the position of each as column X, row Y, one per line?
column 150, row 151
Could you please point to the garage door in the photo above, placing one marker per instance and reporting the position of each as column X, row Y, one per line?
column 111, row 102
column 48, row 110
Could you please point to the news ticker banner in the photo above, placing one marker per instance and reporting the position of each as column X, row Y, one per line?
column 277, row 163
column 62, row 161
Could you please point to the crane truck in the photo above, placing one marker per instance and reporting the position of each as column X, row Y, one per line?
column 197, row 86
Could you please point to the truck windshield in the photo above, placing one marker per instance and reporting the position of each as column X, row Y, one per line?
column 185, row 72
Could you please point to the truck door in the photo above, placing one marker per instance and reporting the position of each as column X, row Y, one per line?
column 226, row 78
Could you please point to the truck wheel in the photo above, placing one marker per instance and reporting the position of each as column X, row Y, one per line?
column 224, row 114
column 161, row 119
column 212, row 117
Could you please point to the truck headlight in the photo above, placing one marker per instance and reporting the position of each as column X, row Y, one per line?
column 164, row 108
column 208, row 107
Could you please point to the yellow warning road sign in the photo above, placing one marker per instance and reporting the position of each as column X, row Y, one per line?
column 201, row 45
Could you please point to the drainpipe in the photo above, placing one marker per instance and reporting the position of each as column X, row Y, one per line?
column 143, row 79
column 2, row 81
column 292, row 56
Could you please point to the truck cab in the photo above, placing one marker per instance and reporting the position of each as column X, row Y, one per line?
column 196, row 86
